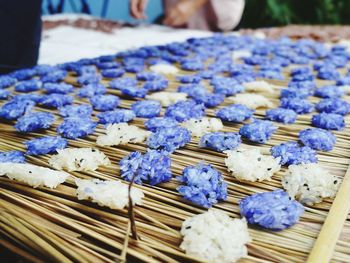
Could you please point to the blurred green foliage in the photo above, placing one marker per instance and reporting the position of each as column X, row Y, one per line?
column 267, row 13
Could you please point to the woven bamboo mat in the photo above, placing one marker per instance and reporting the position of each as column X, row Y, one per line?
column 45, row 224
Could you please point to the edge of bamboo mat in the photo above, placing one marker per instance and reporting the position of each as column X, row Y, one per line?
column 327, row 238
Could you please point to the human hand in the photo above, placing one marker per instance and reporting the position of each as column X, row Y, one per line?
column 137, row 8
column 182, row 12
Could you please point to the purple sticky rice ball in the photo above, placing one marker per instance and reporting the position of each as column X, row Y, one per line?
column 104, row 102
column 15, row 109
column 156, row 85
column 203, row 185
column 54, row 76
column 228, row 90
column 329, row 92
column 34, row 121
column 134, row 91
column 328, row 73
column 328, row 121
column 153, row 167
column 134, row 68
column 208, row 99
column 185, row 110
column 91, row 90
column 28, row 85
column 113, row 73
column 146, row 108
column 6, row 81
column 12, row 157
column 192, row 65
column 116, row 116
column 55, row 100
column 343, row 81
column 169, row 139
column 156, row 123
column 45, row 145
column 129, row 166
column 83, row 111
column 148, row 76
column 4, row 94
column 22, row 74
column 29, row 96
column 293, row 153
column 89, row 79
column 336, row 106
column 76, row 127
column 258, row 131
column 60, row 88
column 300, row 106
column 285, row 116
column 189, row 79
column 317, row 139
column 234, row 113
column 122, row 82
column 272, row 210
column 220, row 141
column 292, row 92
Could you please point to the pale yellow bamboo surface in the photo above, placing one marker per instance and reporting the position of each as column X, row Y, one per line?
column 53, row 225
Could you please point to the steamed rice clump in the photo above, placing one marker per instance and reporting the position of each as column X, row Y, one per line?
column 310, row 183
column 166, row 69
column 215, row 237
column 251, row 165
column 252, row 101
column 33, row 175
column 167, row 98
column 122, row 133
column 113, row 194
column 78, row 159
column 258, row 86
column 199, row 127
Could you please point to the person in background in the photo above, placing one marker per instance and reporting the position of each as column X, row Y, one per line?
column 20, row 29
column 214, row 15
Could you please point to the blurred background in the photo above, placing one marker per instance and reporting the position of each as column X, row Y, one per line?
column 257, row 13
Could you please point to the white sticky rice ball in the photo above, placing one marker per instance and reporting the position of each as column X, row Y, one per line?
column 215, row 237
column 251, row 165
column 199, row 127
column 310, row 183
